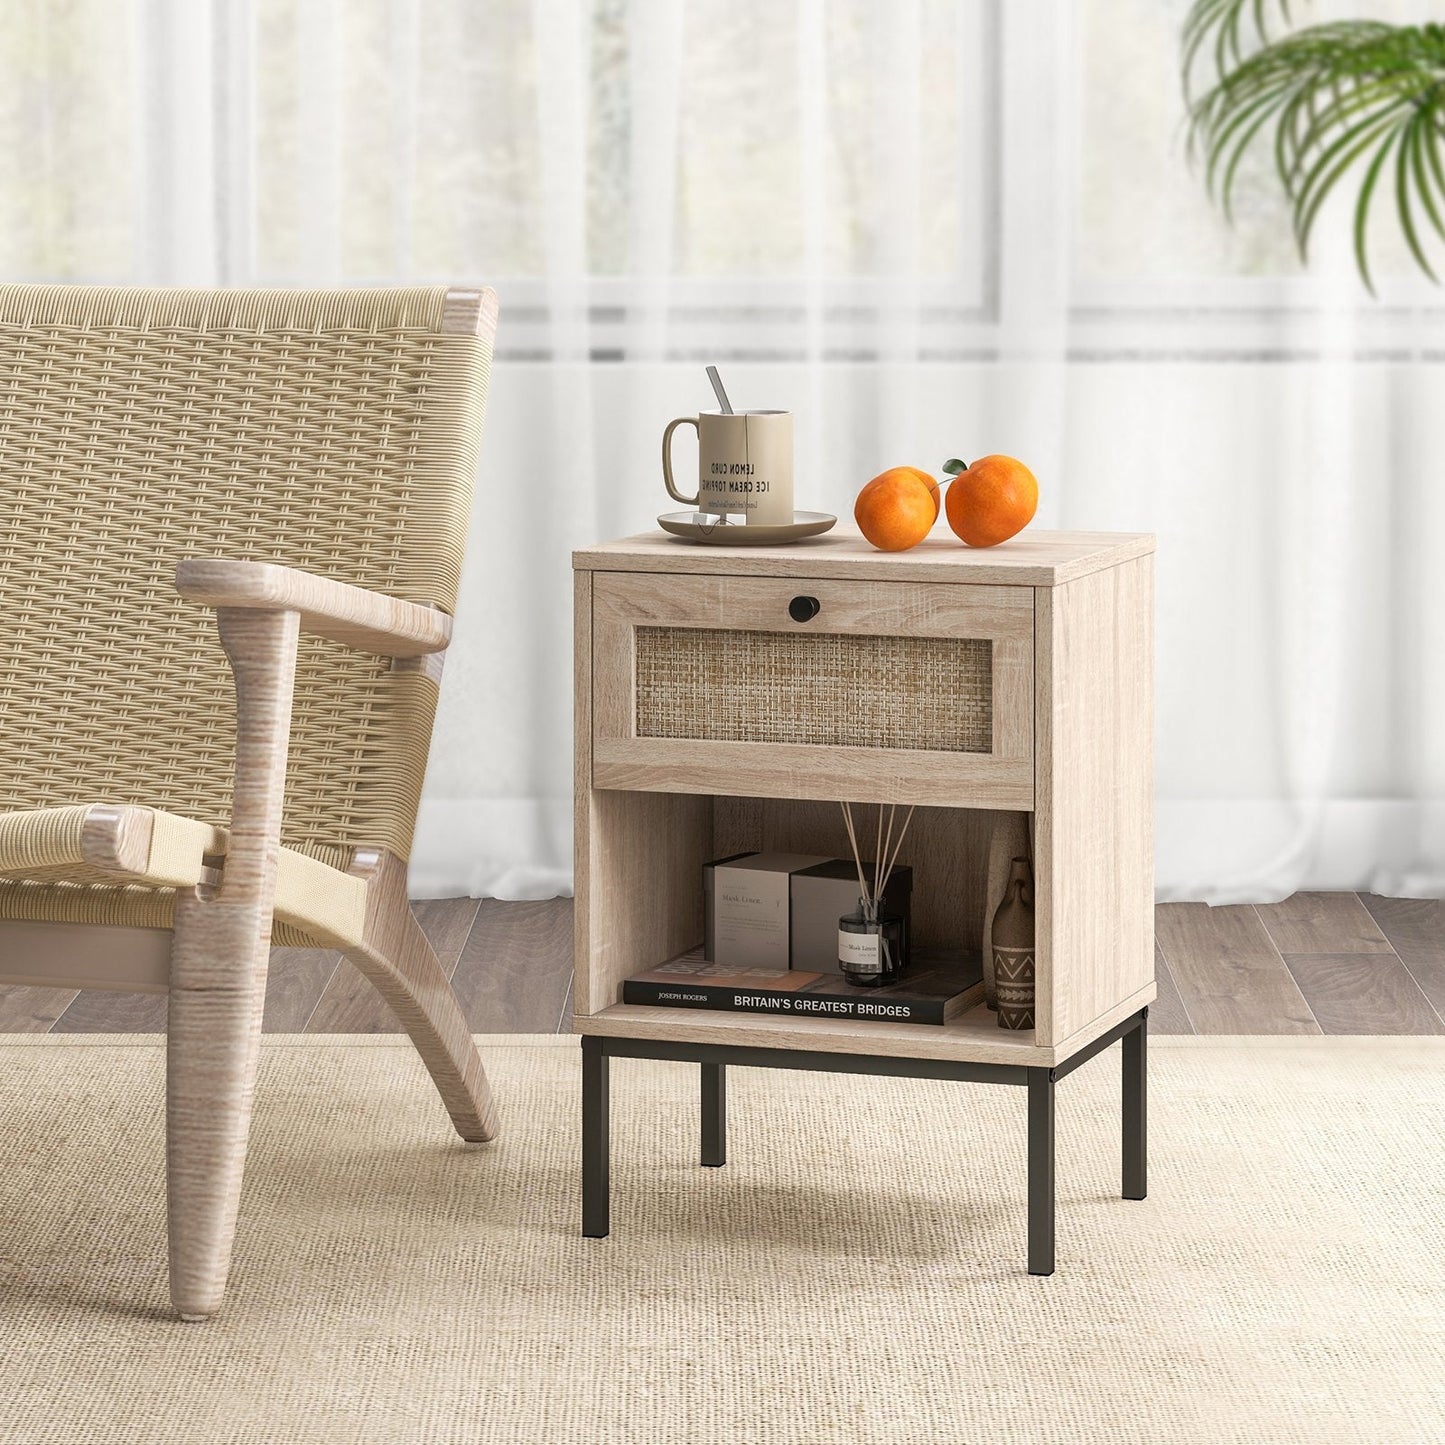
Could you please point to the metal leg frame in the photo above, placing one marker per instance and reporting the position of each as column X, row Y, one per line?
column 597, row 1051
column 596, row 1190
column 1041, row 1171
column 1136, row 1101
column 714, row 1115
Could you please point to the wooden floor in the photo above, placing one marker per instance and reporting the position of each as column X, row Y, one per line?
column 1333, row 963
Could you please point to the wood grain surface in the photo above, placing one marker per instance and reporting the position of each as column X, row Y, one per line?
column 623, row 602
column 1416, row 930
column 1216, row 969
column 351, row 1005
column 103, row 1011
column 1034, row 559
column 26, row 1010
column 355, row 616
column 948, row 896
column 1230, row 975
column 1094, row 814
column 516, row 967
column 1363, row 993
column 297, row 979
column 1322, row 923
column 1168, row 1014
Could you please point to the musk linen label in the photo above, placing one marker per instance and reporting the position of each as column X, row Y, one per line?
column 859, row 951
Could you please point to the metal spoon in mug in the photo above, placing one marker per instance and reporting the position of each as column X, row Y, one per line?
column 722, row 396
column 727, row 406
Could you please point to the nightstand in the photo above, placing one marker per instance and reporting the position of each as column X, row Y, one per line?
column 728, row 699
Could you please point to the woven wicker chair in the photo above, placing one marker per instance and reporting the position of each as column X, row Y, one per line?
column 291, row 470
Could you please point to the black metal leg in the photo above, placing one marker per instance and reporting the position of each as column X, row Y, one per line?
column 1040, row 1084
column 1041, row 1171
column 1136, row 1099
column 714, row 1115
column 595, row 1209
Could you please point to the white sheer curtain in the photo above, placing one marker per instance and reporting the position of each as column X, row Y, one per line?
column 930, row 227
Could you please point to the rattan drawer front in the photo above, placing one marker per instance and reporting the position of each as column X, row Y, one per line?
column 830, row 688
column 897, row 691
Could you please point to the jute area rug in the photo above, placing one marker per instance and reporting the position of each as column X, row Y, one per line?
column 854, row 1275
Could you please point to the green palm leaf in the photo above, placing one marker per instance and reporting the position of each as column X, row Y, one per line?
column 1225, row 20
column 1343, row 99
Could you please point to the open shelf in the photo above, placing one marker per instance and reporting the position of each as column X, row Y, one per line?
column 973, row 1036
column 644, row 906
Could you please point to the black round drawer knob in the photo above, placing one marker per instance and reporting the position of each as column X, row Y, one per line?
column 804, row 609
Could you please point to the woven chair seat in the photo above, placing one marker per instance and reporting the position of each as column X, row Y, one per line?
column 231, row 534
column 65, row 865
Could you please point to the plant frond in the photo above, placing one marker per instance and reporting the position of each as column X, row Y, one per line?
column 1362, row 203
column 1224, row 20
column 1326, row 168
column 1340, row 98
column 1403, row 186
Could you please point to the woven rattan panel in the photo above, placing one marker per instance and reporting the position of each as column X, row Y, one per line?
column 831, row 689
column 42, row 902
column 335, row 432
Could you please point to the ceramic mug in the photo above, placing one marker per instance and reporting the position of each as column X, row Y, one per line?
column 744, row 465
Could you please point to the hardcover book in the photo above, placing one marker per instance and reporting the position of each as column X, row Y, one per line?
column 935, row 991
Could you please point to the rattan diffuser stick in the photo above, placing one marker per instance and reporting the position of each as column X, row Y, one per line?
column 857, row 856
column 897, row 846
column 885, row 856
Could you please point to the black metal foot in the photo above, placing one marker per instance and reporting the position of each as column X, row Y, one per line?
column 1135, row 1113
column 714, row 1115
column 595, row 1183
column 1041, row 1171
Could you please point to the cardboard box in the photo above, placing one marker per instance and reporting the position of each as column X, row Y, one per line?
column 781, row 910
column 747, row 908
column 822, row 894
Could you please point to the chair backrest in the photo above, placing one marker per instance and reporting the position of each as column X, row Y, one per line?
column 335, row 431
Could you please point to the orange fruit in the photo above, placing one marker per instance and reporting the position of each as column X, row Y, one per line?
column 993, row 500
column 931, row 483
column 895, row 510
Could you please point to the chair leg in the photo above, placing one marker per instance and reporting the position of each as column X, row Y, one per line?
column 218, row 991
column 401, row 963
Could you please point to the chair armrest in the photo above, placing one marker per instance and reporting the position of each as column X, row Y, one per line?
column 367, row 621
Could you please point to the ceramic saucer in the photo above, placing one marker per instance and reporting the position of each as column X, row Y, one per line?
column 731, row 534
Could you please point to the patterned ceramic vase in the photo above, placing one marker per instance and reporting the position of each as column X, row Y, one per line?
column 1013, row 950
column 1008, row 839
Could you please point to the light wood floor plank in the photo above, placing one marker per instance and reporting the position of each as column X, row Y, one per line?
column 1323, row 923
column 1167, row 1014
column 99, row 1011
column 1356, row 993
column 1231, row 978
column 32, row 1010
column 295, row 982
column 350, row 1005
column 1416, row 930
column 1218, row 971
column 515, row 970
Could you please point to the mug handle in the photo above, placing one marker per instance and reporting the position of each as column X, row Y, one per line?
column 672, row 426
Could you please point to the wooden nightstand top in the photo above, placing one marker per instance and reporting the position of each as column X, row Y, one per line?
column 1035, row 559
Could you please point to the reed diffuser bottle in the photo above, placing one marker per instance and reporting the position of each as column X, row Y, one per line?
column 872, row 943
column 870, row 946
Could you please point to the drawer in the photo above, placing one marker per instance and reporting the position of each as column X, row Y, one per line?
column 892, row 691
